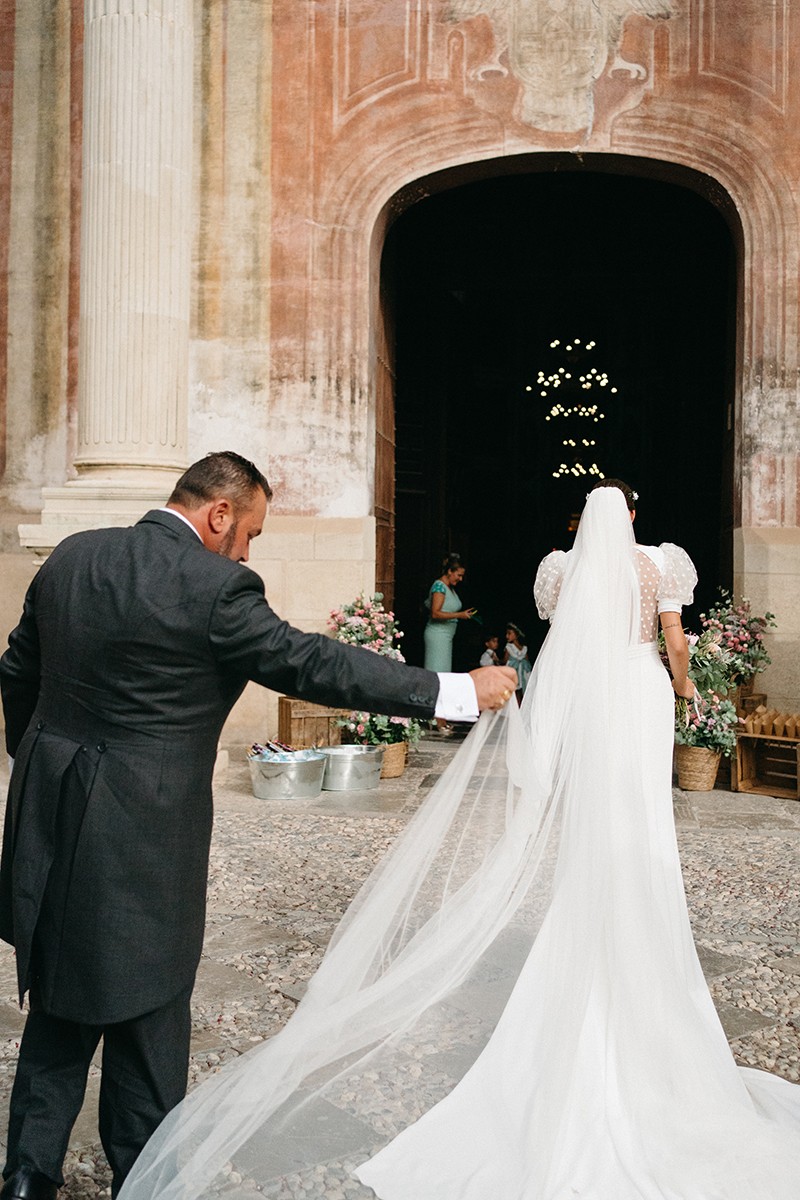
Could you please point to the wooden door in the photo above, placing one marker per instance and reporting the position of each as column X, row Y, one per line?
column 385, row 449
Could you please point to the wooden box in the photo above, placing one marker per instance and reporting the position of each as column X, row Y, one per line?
column 767, row 765
column 301, row 724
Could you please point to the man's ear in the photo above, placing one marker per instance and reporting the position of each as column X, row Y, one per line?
column 220, row 515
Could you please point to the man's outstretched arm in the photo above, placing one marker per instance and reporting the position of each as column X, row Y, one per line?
column 249, row 639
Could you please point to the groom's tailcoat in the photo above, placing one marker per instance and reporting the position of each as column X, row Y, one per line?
column 133, row 646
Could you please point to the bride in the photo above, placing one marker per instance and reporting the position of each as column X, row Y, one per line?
column 512, row 1008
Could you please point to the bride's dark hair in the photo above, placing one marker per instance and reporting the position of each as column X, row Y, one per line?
column 630, row 495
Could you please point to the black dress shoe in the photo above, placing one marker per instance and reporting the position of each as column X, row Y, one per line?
column 27, row 1184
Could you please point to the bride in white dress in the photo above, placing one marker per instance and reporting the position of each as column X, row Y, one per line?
column 513, row 1008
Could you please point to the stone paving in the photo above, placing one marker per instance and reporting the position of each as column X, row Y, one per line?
column 282, row 874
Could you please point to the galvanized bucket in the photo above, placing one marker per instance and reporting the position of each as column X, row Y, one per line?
column 352, row 768
column 300, row 780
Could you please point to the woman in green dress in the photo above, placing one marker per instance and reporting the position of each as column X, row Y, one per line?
column 445, row 609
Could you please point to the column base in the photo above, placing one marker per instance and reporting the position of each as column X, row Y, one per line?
column 83, row 504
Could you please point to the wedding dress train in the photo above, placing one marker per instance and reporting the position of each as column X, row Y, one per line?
column 512, row 1007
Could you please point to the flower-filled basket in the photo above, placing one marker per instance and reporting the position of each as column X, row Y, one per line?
column 367, row 623
column 705, row 728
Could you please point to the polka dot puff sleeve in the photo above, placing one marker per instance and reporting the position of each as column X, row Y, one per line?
column 548, row 583
column 678, row 579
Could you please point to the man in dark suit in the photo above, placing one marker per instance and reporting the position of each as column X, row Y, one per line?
column 132, row 648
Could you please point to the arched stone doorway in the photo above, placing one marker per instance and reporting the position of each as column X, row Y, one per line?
column 629, row 267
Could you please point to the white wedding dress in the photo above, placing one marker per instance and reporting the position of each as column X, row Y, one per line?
column 513, row 1008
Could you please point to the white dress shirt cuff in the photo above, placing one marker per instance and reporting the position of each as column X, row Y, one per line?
column 457, row 699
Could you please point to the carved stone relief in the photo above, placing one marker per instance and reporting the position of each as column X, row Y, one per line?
column 557, row 50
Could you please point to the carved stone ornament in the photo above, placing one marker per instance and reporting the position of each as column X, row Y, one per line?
column 557, row 50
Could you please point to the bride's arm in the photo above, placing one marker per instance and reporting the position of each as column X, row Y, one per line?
column 677, row 653
column 676, row 589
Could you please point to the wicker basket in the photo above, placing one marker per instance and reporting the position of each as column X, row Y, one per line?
column 394, row 760
column 697, row 768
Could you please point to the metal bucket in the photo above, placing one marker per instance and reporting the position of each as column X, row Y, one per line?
column 301, row 780
column 352, row 768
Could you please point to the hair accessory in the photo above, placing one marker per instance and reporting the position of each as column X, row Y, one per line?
column 634, row 495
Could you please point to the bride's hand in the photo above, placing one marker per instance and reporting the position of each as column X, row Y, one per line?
column 685, row 688
column 494, row 685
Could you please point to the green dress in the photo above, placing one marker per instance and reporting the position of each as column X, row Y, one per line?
column 439, row 634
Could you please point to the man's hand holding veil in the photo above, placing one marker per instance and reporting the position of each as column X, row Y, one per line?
column 494, row 686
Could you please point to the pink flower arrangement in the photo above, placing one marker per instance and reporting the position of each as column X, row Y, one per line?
column 372, row 729
column 366, row 623
column 740, row 634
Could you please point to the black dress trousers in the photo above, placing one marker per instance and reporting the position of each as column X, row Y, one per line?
column 144, row 1073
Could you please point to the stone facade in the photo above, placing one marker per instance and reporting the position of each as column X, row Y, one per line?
column 258, row 311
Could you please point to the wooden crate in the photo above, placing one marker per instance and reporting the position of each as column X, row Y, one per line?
column 767, row 765
column 301, row 724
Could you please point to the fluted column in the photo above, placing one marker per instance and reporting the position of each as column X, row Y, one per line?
column 135, row 265
column 135, row 234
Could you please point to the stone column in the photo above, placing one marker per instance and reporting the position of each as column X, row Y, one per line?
column 135, row 267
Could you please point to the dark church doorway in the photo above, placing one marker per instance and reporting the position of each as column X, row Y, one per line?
column 550, row 326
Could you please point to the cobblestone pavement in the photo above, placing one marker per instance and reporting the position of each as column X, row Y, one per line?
column 281, row 876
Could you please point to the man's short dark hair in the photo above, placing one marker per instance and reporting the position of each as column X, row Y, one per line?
column 222, row 473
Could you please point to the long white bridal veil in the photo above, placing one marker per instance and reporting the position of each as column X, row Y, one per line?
column 422, row 964
column 420, row 967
